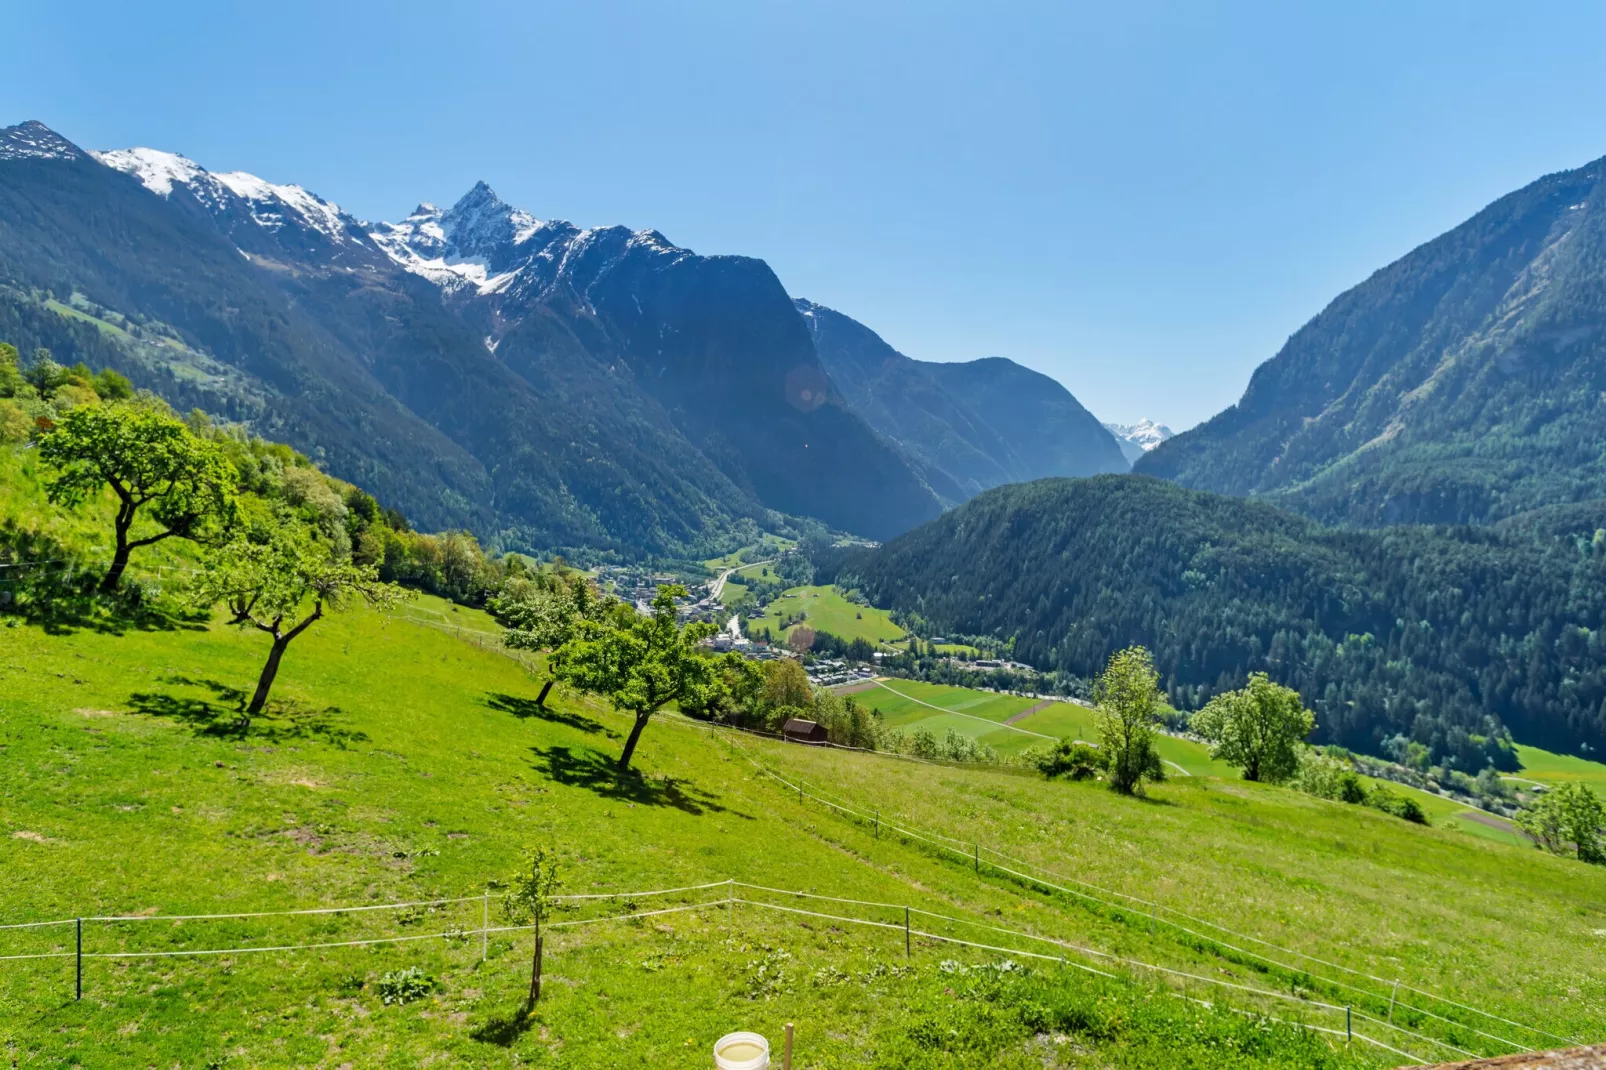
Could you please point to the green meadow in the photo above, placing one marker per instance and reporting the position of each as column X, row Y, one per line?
column 405, row 760
column 824, row 609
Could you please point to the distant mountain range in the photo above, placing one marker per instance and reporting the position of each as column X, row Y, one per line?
column 965, row 427
column 1465, row 382
column 543, row 385
column 1137, row 439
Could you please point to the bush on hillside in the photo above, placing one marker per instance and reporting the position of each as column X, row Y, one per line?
column 1077, row 760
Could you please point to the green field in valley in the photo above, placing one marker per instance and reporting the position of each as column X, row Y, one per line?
column 909, row 704
column 1541, row 766
column 824, row 609
column 912, row 704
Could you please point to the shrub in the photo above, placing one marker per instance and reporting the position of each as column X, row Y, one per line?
column 15, row 425
column 1077, row 760
column 405, row 986
column 1392, row 802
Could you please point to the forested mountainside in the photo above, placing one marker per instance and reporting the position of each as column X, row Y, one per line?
column 1447, row 635
column 545, row 386
column 966, row 426
column 1465, row 382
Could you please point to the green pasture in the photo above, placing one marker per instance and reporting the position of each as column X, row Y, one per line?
column 824, row 609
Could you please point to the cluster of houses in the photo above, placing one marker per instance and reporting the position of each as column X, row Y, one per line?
column 730, row 637
column 833, row 672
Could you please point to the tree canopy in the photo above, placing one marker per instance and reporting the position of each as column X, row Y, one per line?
column 268, row 584
column 1568, row 818
column 1128, row 703
column 152, row 462
column 1258, row 728
column 639, row 663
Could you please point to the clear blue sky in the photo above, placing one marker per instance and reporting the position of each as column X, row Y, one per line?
column 1143, row 200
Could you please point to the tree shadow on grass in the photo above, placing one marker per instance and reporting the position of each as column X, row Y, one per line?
column 47, row 584
column 595, row 771
column 222, row 716
column 527, row 707
column 503, row 1032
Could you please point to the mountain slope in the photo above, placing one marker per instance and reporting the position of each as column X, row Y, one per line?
column 1442, row 635
column 966, row 426
column 1464, row 382
column 546, row 386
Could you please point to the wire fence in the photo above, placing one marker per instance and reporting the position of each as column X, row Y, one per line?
column 916, row 924
column 1031, row 873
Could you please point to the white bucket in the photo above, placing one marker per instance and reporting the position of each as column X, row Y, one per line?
column 741, row 1051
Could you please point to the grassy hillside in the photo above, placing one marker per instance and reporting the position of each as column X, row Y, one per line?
column 405, row 762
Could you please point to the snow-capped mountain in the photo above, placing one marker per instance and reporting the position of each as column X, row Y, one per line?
column 1139, row 438
column 537, row 382
column 34, row 140
column 264, row 218
column 480, row 246
column 534, row 381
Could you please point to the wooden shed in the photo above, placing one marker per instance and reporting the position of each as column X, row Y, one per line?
column 800, row 731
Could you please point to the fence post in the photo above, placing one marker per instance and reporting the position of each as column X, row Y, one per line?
column 906, row 951
column 485, row 926
column 1392, row 994
column 878, row 824
column 976, row 854
column 78, row 981
column 730, row 905
column 1349, row 1033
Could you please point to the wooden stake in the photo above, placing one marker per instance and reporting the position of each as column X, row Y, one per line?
column 786, row 1055
column 1392, row 994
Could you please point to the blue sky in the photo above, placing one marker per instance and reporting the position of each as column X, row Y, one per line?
column 1143, row 200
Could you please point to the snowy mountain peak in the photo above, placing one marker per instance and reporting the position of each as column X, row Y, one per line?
column 270, row 206
column 474, row 243
column 158, row 171
column 34, row 140
column 1139, row 438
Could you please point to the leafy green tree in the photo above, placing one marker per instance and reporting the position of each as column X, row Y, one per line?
column 152, row 462
column 14, row 423
column 737, row 699
column 639, row 663
column 1128, row 699
column 786, row 684
column 532, row 889
column 1571, row 814
column 1258, row 728
column 268, row 585
column 44, row 374
column 11, row 381
column 545, row 616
